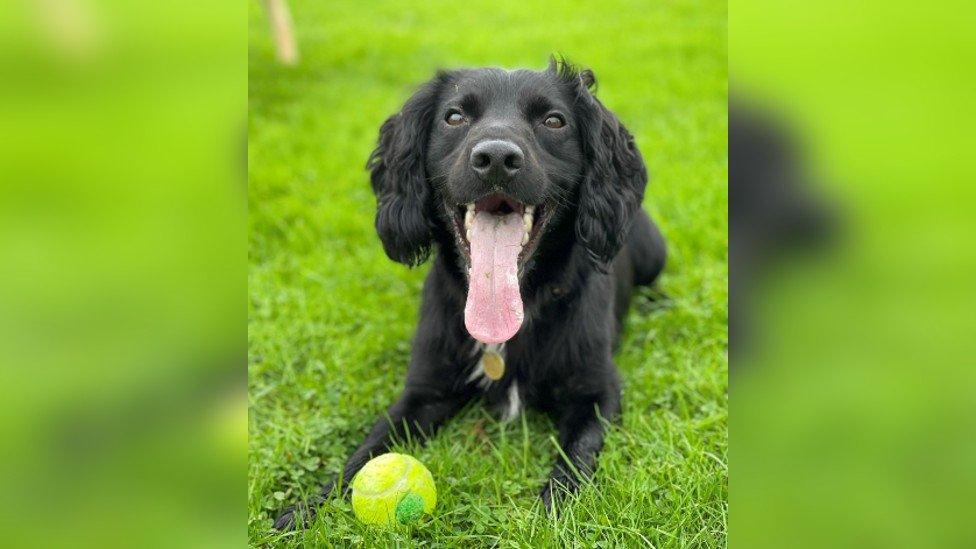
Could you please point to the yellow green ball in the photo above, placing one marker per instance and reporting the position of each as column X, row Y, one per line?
column 393, row 488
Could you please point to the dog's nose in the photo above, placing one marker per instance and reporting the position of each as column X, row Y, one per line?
column 496, row 160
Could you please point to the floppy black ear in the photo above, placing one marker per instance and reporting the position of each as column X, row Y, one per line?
column 399, row 178
column 613, row 180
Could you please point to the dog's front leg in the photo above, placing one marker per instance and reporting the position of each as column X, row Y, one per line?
column 415, row 415
column 581, row 432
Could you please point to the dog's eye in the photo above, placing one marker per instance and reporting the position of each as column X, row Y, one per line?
column 454, row 118
column 554, row 121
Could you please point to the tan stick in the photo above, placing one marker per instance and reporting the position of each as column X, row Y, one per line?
column 281, row 27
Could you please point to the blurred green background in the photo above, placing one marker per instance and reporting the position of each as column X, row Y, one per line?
column 855, row 408
column 123, row 238
column 331, row 318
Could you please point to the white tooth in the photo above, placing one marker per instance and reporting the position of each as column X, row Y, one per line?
column 467, row 234
column 530, row 210
column 527, row 222
column 525, row 238
column 471, row 207
column 469, row 219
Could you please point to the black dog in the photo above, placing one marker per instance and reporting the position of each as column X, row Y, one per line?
column 531, row 191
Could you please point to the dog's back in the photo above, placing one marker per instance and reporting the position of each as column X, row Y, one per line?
column 639, row 263
column 647, row 250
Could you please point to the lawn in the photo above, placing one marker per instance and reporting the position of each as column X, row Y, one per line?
column 330, row 318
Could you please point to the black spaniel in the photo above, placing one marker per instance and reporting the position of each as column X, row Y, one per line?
column 530, row 190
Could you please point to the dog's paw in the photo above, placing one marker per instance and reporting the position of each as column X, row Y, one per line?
column 295, row 517
column 302, row 515
column 546, row 497
column 558, row 491
column 553, row 494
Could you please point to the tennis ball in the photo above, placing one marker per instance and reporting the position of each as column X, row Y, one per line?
column 393, row 488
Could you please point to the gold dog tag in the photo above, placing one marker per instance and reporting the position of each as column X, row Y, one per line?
column 493, row 364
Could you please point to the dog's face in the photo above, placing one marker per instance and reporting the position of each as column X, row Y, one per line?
column 504, row 142
column 491, row 157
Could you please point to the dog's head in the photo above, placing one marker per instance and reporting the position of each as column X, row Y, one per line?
column 493, row 157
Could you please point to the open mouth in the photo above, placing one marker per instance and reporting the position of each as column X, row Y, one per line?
column 500, row 206
column 496, row 233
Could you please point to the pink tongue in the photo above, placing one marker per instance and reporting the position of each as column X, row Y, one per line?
column 493, row 312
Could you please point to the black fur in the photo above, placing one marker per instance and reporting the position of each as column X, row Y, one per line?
column 399, row 178
column 595, row 246
column 613, row 180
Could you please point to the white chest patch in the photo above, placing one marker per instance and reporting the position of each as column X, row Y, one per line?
column 513, row 406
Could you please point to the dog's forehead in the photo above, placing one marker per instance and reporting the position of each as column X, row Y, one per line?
column 504, row 86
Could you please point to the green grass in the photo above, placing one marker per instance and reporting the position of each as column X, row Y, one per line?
column 330, row 317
